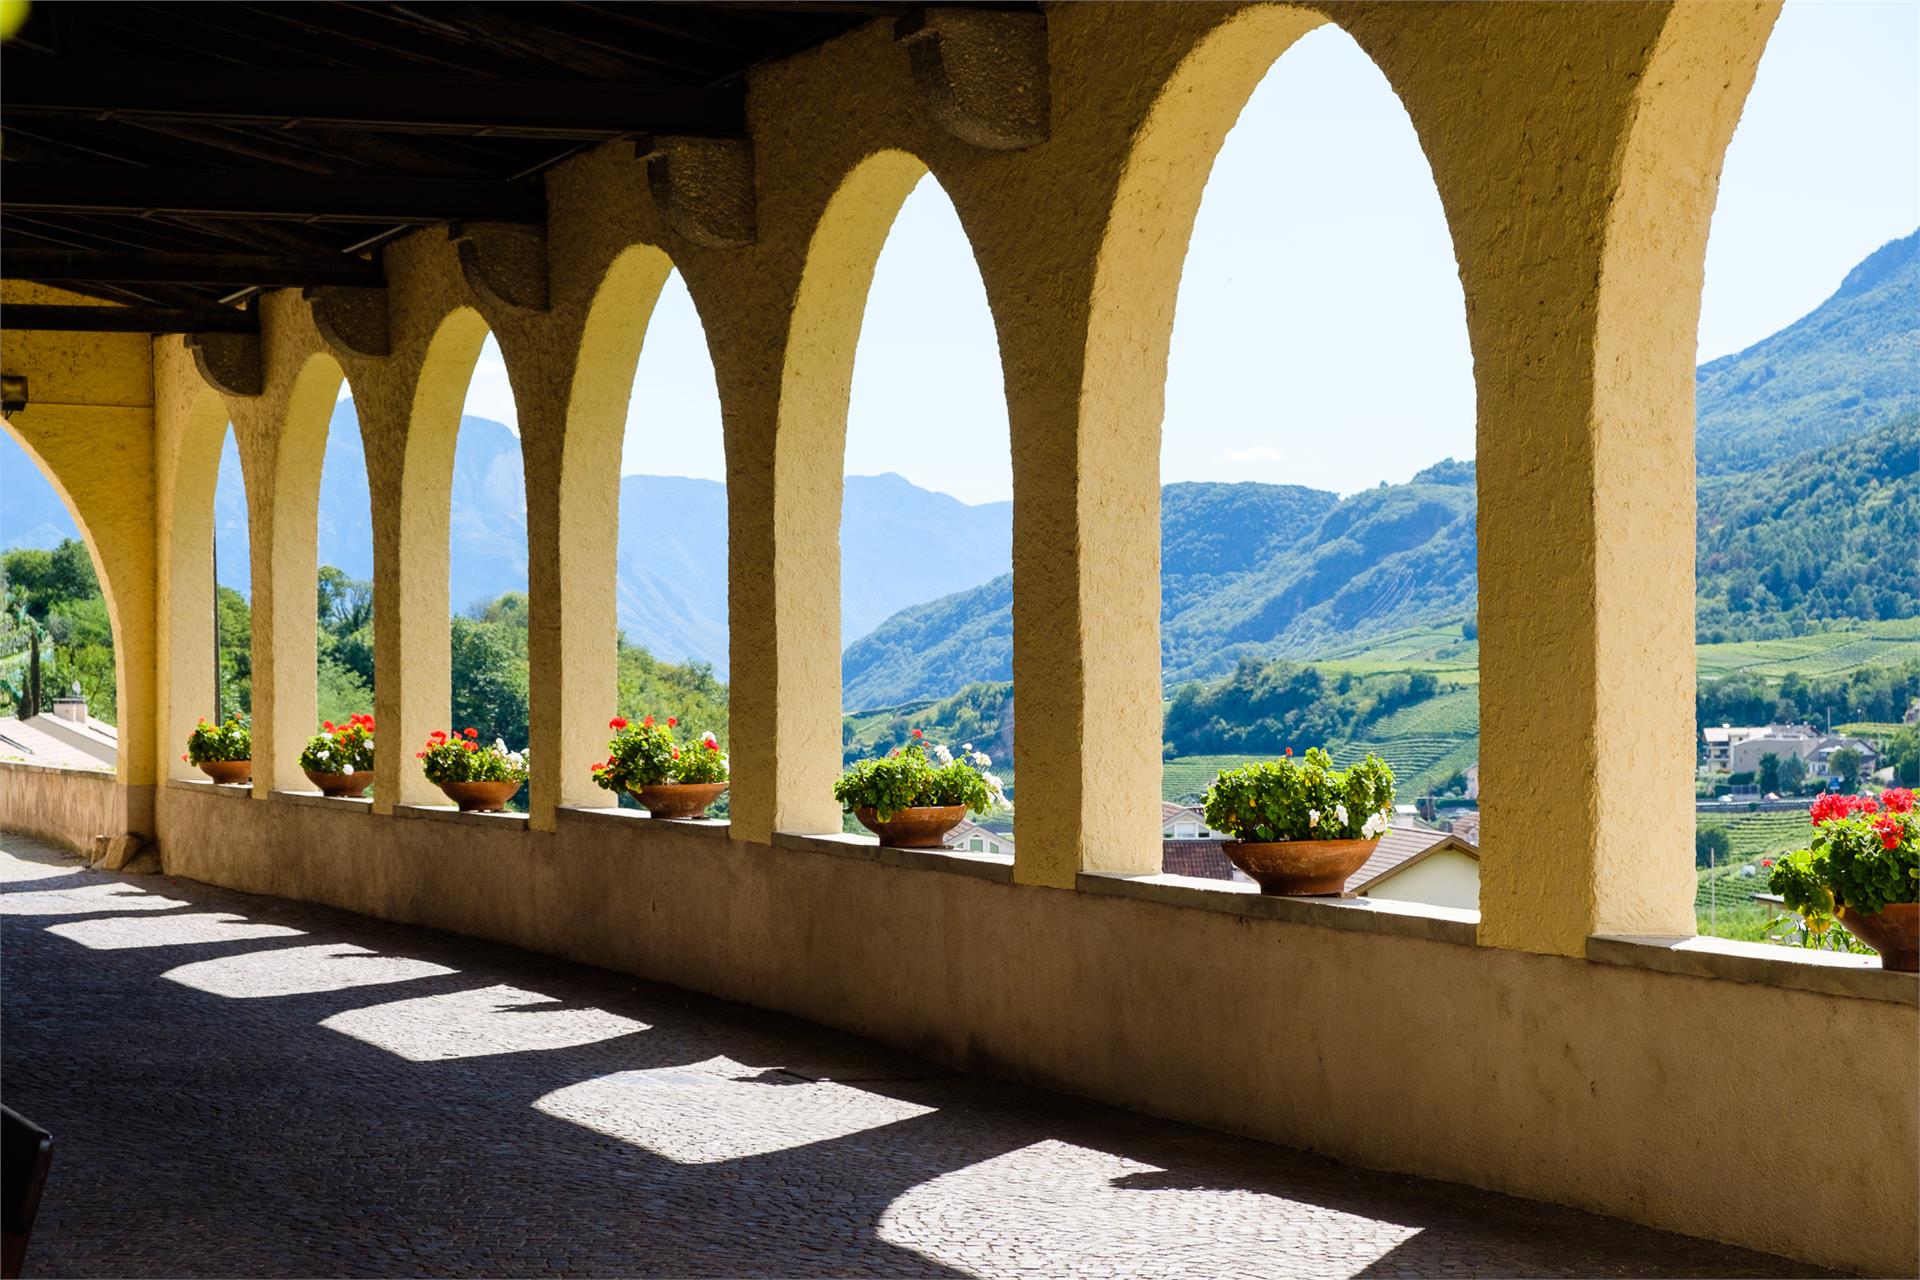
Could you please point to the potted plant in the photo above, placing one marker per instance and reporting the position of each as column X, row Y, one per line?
column 1302, row 827
column 1862, row 869
column 478, row 779
column 224, row 751
column 913, row 796
column 339, row 759
column 670, row 777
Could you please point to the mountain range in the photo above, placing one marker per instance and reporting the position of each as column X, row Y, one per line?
column 1809, row 513
column 1806, row 444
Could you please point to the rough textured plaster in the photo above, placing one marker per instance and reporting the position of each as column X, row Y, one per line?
column 1576, row 150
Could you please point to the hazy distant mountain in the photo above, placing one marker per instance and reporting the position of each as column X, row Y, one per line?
column 1846, row 367
column 672, row 587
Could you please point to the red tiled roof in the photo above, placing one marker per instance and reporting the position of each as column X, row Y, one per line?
column 1467, row 825
column 1204, row 858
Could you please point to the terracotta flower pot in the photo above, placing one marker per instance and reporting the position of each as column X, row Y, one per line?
column 1301, row 868
column 921, row 827
column 678, row 799
column 228, row 772
column 1893, row 931
column 480, row 797
column 353, row 784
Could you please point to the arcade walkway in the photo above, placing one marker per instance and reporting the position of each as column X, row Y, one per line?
column 250, row 1086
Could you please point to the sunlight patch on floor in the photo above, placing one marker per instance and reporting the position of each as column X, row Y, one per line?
column 15, row 869
column 720, row 1109
column 300, row 971
column 473, row 1024
column 83, row 899
column 119, row 933
column 1021, row 1209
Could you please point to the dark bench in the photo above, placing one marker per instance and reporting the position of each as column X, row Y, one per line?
column 25, row 1152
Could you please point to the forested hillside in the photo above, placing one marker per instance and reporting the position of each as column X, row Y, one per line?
column 1247, row 570
column 1831, row 534
column 1848, row 366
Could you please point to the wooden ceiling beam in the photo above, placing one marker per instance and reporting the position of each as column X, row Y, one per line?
column 268, row 271
column 82, row 319
column 126, row 190
column 277, row 98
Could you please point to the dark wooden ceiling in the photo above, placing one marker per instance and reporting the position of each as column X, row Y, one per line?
column 180, row 157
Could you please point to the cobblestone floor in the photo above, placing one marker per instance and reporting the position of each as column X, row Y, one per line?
column 244, row 1086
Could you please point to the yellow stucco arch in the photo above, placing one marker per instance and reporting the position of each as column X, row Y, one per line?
column 286, row 565
column 417, row 494
column 107, row 591
column 188, row 476
column 816, row 380
column 588, row 516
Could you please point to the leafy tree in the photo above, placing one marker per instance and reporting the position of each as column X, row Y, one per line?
column 1710, row 844
column 1845, row 764
column 1770, row 772
column 1793, row 774
column 236, row 652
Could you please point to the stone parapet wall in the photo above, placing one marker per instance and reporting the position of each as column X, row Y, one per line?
column 1395, row 1043
column 71, row 807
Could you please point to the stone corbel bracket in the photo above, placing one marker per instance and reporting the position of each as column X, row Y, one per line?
column 230, row 362
column 703, row 188
column 504, row 262
column 352, row 320
column 981, row 72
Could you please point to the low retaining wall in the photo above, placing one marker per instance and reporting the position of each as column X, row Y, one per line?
column 71, row 807
column 1366, row 1031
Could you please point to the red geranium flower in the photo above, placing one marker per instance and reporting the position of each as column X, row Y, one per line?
column 473, row 746
column 1897, row 800
column 713, row 746
column 327, row 725
column 671, row 722
column 472, row 732
column 183, row 755
column 438, row 735
column 1890, row 831
column 648, row 722
column 916, row 733
column 1289, row 750
column 618, row 722
column 1766, row 862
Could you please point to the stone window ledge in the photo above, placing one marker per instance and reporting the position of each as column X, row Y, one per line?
column 450, row 813
column 1231, row 897
column 1825, row 972
column 997, row 867
column 639, row 820
column 355, row 804
column 207, row 786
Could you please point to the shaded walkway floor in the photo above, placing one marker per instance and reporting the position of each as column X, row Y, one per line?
column 248, row 1086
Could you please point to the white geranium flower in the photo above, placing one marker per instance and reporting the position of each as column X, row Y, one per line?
column 967, row 747
column 980, row 759
column 1376, row 825
column 500, row 745
column 1340, row 814
column 992, row 780
column 346, row 770
column 1313, row 819
column 942, row 755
